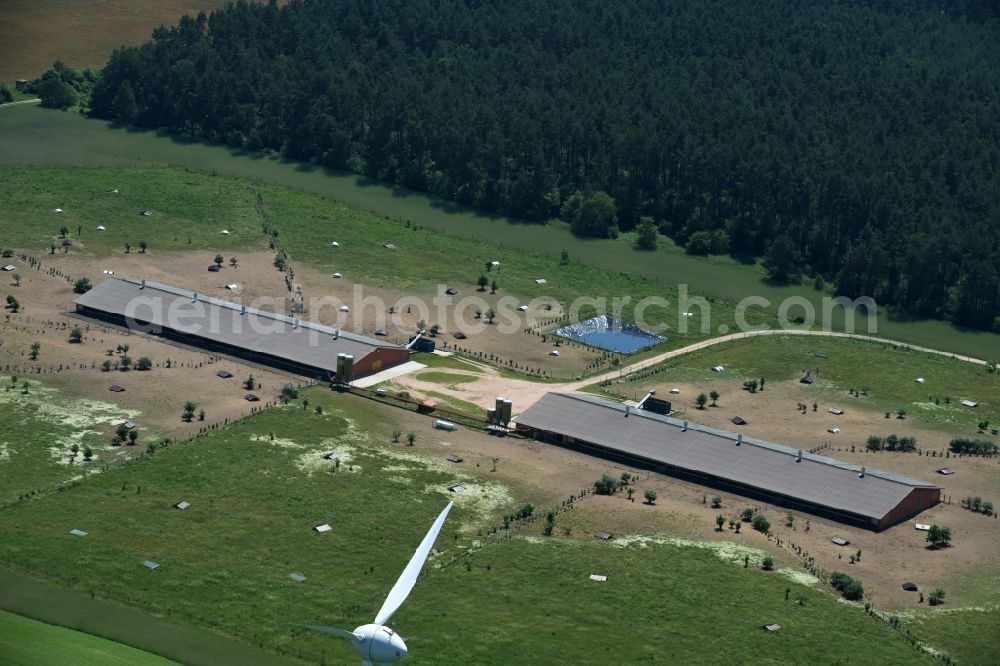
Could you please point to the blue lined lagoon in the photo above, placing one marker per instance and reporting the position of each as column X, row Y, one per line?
column 610, row 334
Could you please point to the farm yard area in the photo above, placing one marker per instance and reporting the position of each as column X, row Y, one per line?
column 256, row 478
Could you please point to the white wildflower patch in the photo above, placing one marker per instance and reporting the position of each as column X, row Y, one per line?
column 276, row 441
column 4, row 451
column 484, row 500
column 52, row 406
column 401, row 480
column 313, row 461
column 800, row 576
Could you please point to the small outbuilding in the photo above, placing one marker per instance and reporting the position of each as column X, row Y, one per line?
column 182, row 505
column 79, row 533
column 214, row 268
column 224, row 374
column 808, row 379
column 946, row 471
column 115, row 388
column 969, row 403
column 451, row 291
column 909, row 587
column 836, row 411
column 597, row 578
column 150, row 564
column 9, row 267
column 922, row 527
column 250, row 397
column 459, row 488
column 332, row 455
column 325, row 527
column 454, row 459
column 738, row 420
column 459, row 335
column 840, row 541
column 771, row 627
column 428, row 405
column 603, row 536
column 540, row 281
column 296, row 577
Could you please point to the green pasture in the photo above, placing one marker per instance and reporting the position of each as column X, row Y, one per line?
column 39, row 429
column 34, row 136
column 840, row 364
column 257, row 488
column 447, row 378
column 189, row 211
column 449, row 362
column 27, row 642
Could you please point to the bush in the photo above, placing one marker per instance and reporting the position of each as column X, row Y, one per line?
column 976, row 447
column 289, row 392
column 767, row 564
column 144, row 363
column 716, row 502
column 936, row 598
column 606, row 485
column 849, row 587
column 747, row 515
column 82, row 285
column 760, row 523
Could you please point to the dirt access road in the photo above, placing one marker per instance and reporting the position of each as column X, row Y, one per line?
column 490, row 383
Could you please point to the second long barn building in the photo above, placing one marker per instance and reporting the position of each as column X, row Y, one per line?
column 750, row 467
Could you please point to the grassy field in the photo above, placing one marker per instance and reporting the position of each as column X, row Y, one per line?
column 41, row 137
column 81, row 33
column 842, row 364
column 445, row 377
column 225, row 560
column 27, row 642
column 39, row 430
column 190, row 210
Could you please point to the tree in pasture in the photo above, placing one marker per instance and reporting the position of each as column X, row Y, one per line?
column 606, row 485
column 250, row 383
column 482, row 282
column 189, row 408
column 396, row 434
column 494, row 286
column 760, row 523
column 490, row 316
column 87, row 453
column 13, row 304
column 123, row 348
column 701, row 400
column 106, row 365
column 720, row 520
column 128, row 248
column 63, row 232
column 489, row 266
column 789, row 519
column 52, row 248
column 767, row 564
column 564, row 258
column 421, row 325
column 550, row 523
column 746, row 515
column 82, row 285
column 36, row 347
column 109, row 352
column 939, row 536
column 650, row 496
column 233, row 261
column 936, row 597
column 132, row 436
column 714, row 395
column 762, row 383
column 647, row 234
column 125, row 362
column 411, row 438
column 144, row 363
column 279, row 262
column 218, row 260
column 143, row 245
column 631, row 493
column 76, row 335
column 17, row 279
column 289, row 392
column 435, row 329
column 716, row 502
column 201, row 414
column 121, row 432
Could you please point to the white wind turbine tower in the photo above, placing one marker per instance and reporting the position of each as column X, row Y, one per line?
column 375, row 642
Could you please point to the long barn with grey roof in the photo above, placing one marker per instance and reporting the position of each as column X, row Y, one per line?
column 291, row 344
column 751, row 467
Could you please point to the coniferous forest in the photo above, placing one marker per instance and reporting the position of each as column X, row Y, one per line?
column 854, row 140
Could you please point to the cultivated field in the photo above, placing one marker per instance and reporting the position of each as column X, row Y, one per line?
column 37, row 136
column 26, row 642
column 81, row 34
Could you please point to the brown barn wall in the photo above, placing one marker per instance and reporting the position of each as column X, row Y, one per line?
column 919, row 499
column 379, row 360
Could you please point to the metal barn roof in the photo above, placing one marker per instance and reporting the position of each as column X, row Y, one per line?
column 221, row 321
column 754, row 463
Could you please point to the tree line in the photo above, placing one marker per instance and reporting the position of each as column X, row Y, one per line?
column 852, row 142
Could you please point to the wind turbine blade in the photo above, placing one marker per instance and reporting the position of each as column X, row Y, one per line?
column 408, row 578
column 333, row 631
